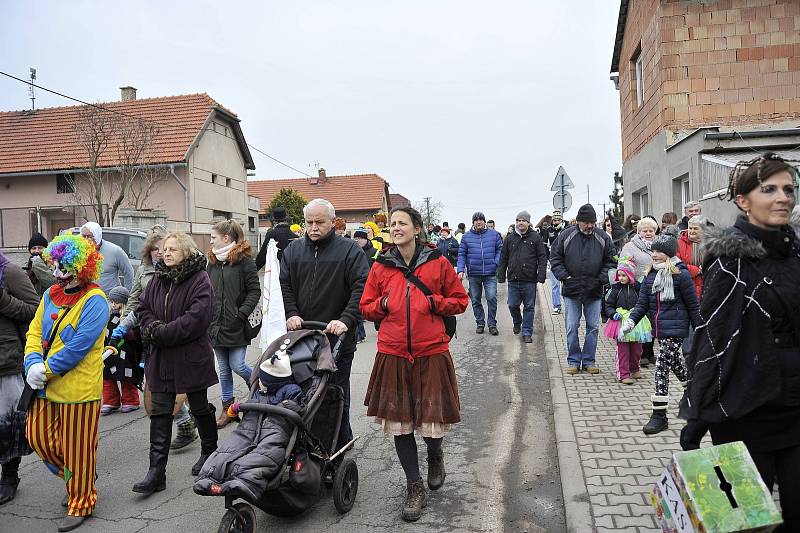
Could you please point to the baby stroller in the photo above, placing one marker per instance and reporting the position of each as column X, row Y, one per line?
column 288, row 482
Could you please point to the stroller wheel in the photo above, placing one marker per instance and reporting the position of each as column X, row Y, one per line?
column 240, row 519
column 345, row 486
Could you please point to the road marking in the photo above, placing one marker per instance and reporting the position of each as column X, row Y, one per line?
column 494, row 508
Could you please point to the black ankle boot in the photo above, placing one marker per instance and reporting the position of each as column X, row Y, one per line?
column 436, row 473
column 9, row 480
column 156, row 478
column 658, row 420
column 207, row 428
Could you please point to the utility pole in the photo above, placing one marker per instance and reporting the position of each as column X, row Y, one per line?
column 588, row 200
column 427, row 212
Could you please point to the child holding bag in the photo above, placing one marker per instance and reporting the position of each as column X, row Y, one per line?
column 619, row 303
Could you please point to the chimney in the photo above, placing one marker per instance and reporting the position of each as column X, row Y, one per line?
column 127, row 93
column 322, row 176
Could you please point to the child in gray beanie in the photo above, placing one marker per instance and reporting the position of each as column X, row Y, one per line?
column 668, row 298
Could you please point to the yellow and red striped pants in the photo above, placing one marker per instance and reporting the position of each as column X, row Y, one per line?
column 65, row 435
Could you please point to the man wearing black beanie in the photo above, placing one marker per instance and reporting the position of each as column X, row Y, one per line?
column 37, row 270
column 580, row 260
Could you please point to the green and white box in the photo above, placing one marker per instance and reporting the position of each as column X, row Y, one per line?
column 713, row 490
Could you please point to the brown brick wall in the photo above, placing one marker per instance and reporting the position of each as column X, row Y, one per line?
column 719, row 63
column 640, row 124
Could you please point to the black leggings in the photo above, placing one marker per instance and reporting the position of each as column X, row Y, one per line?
column 783, row 466
column 164, row 403
column 406, row 446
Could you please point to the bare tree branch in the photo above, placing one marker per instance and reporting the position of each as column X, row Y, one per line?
column 124, row 144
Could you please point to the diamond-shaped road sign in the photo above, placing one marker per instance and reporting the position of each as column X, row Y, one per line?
column 562, row 180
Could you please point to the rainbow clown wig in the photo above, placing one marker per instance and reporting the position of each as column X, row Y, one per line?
column 75, row 255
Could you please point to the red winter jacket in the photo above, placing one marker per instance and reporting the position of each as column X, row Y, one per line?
column 407, row 305
column 685, row 255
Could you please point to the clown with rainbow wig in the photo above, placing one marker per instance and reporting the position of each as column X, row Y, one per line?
column 64, row 365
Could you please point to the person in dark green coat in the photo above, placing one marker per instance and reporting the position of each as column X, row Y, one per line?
column 237, row 292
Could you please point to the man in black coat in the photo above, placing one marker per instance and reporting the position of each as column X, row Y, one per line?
column 280, row 232
column 580, row 259
column 322, row 279
column 523, row 262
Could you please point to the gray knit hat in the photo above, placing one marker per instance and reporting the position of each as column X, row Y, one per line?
column 524, row 215
column 666, row 244
column 119, row 294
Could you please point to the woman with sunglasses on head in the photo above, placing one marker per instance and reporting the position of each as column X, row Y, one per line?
column 745, row 368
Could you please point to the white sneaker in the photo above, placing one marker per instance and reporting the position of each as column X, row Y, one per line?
column 557, row 311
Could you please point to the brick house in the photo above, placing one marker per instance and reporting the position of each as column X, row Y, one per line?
column 355, row 197
column 200, row 150
column 703, row 85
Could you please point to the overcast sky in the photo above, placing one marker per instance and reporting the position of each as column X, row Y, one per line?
column 473, row 103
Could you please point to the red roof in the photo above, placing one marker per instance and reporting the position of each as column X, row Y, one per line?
column 361, row 192
column 45, row 139
column 398, row 200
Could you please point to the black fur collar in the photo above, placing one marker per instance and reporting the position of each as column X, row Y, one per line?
column 183, row 271
column 734, row 242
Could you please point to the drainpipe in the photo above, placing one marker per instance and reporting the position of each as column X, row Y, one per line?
column 185, row 193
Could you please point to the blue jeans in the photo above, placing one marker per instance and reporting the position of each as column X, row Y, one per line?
column 572, row 318
column 522, row 292
column 231, row 360
column 362, row 333
column 555, row 287
column 477, row 284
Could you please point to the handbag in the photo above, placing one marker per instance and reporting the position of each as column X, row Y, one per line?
column 252, row 326
column 449, row 320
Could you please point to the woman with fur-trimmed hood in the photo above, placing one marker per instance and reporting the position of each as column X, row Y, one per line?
column 745, row 367
column 237, row 292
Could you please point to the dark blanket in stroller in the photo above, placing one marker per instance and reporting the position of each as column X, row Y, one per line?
column 253, row 454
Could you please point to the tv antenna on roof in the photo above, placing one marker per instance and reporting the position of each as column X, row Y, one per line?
column 30, row 89
column 314, row 165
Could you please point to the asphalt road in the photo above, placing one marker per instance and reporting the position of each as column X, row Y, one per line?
column 502, row 469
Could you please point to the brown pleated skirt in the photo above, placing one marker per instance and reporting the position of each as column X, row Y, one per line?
column 422, row 395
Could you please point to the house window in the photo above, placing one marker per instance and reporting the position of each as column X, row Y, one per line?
column 64, row 184
column 641, row 202
column 638, row 76
column 251, row 223
column 684, row 191
column 263, row 217
column 213, row 178
column 227, row 182
column 225, row 215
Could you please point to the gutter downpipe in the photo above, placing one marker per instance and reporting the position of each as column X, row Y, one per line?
column 185, row 193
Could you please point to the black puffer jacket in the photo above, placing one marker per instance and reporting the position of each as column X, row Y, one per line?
column 672, row 318
column 581, row 262
column 624, row 296
column 524, row 258
column 323, row 281
column 745, row 366
column 252, row 455
column 237, row 291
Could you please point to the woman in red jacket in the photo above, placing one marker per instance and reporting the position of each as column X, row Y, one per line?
column 413, row 383
column 690, row 252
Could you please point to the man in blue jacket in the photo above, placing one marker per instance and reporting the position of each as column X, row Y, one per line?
column 478, row 257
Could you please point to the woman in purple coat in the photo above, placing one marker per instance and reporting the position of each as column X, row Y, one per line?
column 175, row 314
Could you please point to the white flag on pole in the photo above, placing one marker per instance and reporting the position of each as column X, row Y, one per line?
column 273, row 324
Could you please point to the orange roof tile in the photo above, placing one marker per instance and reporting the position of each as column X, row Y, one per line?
column 45, row 139
column 359, row 192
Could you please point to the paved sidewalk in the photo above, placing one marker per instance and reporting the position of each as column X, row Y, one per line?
column 599, row 426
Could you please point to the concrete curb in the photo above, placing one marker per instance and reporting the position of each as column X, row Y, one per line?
column 577, row 508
